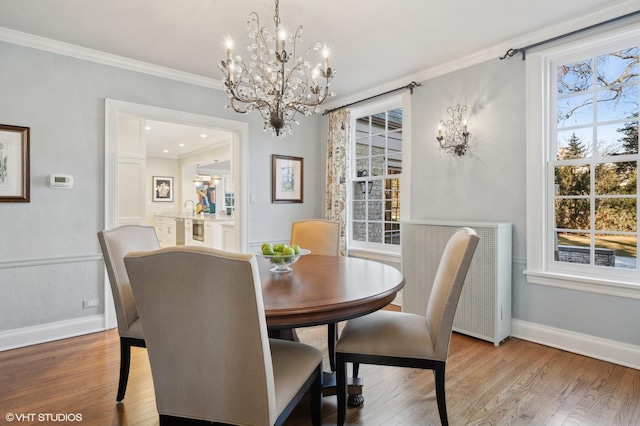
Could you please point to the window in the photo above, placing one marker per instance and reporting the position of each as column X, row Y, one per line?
column 585, row 191
column 376, row 173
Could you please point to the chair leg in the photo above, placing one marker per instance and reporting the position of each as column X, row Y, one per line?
column 125, row 361
column 332, row 339
column 316, row 399
column 341, row 385
column 440, row 395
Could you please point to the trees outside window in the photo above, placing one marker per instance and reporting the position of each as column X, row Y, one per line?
column 594, row 208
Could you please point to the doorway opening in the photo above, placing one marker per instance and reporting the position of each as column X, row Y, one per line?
column 238, row 131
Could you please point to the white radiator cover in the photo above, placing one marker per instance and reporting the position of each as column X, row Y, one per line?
column 484, row 309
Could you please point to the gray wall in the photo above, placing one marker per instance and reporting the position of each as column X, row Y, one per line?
column 49, row 255
column 488, row 184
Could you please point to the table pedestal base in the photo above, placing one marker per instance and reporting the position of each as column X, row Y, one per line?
column 354, row 388
column 354, row 384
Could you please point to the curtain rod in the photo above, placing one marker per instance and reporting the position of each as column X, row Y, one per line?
column 512, row 52
column 409, row 86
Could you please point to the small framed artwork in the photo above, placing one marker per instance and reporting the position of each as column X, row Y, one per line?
column 286, row 182
column 14, row 164
column 162, row 188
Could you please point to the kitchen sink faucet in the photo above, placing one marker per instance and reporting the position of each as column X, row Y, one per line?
column 193, row 208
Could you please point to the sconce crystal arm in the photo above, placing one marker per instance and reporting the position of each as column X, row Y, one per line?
column 456, row 135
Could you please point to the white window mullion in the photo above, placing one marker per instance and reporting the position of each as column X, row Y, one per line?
column 542, row 132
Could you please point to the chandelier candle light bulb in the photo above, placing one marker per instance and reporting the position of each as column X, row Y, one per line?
column 282, row 37
column 325, row 55
column 229, row 44
column 267, row 85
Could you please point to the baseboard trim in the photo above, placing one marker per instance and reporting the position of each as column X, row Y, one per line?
column 583, row 344
column 42, row 333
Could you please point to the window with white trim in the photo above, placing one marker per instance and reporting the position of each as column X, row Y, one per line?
column 375, row 175
column 587, row 140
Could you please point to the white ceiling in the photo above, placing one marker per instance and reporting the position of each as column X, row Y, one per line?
column 374, row 45
column 371, row 43
column 170, row 140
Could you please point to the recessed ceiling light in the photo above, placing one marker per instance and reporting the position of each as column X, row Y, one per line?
column 180, row 144
column 203, row 135
column 147, row 127
column 165, row 150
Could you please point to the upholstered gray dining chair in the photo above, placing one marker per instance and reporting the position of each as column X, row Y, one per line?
column 409, row 340
column 206, row 334
column 115, row 243
column 322, row 237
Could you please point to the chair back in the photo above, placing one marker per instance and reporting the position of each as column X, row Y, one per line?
column 447, row 287
column 115, row 244
column 318, row 235
column 206, row 333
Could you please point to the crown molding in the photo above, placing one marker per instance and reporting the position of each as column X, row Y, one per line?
column 67, row 49
column 496, row 51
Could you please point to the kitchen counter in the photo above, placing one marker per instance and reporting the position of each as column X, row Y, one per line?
column 217, row 231
column 205, row 217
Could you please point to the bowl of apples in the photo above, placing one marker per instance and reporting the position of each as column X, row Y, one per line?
column 282, row 256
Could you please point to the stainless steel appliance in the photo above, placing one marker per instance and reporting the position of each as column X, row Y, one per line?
column 198, row 230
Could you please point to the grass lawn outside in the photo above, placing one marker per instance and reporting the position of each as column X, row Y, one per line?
column 623, row 245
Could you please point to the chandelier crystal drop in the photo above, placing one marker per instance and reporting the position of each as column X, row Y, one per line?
column 279, row 80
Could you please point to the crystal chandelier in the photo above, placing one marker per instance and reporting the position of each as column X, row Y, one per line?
column 268, row 85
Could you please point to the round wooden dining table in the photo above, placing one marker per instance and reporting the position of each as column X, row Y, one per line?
column 326, row 290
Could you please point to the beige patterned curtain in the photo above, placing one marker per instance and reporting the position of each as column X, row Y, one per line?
column 337, row 169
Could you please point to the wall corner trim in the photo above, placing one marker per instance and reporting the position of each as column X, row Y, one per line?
column 583, row 344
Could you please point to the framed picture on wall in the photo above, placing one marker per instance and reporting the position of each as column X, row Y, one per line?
column 286, row 182
column 162, row 188
column 14, row 163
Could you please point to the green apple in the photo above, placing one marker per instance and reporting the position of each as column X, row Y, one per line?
column 296, row 248
column 268, row 250
column 279, row 247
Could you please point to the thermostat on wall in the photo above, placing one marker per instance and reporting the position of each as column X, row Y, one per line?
column 60, row 181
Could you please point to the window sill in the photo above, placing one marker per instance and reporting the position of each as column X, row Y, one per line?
column 611, row 287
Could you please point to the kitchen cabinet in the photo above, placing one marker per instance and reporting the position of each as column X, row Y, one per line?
column 218, row 234
column 228, row 236
column 166, row 231
column 188, row 233
column 210, row 234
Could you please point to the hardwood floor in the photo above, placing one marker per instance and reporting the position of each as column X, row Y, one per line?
column 518, row 383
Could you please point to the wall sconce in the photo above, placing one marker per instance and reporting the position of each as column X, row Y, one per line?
column 365, row 186
column 456, row 136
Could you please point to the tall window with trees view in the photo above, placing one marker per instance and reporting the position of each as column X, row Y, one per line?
column 594, row 171
column 375, row 177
